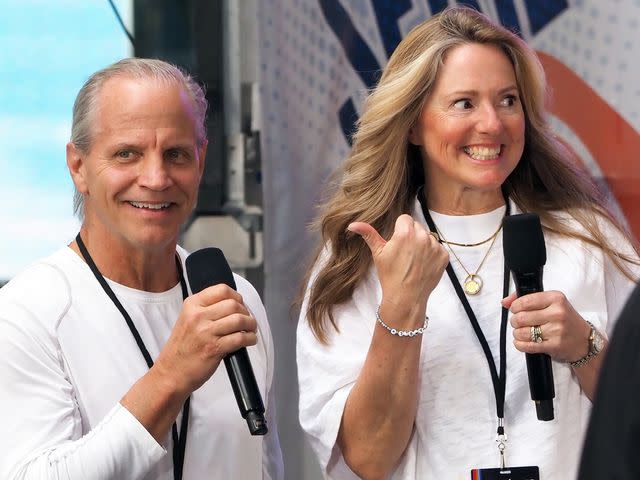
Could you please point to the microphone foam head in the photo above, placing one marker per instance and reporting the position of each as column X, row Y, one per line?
column 523, row 242
column 208, row 267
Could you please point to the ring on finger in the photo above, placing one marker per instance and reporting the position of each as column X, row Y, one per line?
column 535, row 333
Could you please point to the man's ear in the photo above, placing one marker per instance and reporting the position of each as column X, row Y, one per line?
column 202, row 155
column 76, row 165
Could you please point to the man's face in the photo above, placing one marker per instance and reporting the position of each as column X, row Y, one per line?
column 140, row 177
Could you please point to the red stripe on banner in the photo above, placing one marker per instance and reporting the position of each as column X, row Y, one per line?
column 612, row 141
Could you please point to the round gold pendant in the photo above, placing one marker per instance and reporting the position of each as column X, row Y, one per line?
column 472, row 284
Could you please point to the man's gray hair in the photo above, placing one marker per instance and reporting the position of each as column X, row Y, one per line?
column 84, row 107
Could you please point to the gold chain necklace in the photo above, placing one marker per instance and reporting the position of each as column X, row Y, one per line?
column 473, row 282
column 449, row 242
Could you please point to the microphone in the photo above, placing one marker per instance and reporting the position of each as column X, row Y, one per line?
column 207, row 267
column 525, row 255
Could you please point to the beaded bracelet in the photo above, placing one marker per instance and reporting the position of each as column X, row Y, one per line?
column 402, row 333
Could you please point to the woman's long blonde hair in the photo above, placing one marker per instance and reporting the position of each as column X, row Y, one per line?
column 380, row 178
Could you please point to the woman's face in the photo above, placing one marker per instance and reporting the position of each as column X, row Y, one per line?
column 471, row 129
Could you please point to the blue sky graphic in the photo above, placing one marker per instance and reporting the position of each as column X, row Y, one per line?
column 47, row 51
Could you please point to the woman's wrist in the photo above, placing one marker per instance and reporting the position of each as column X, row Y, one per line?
column 402, row 315
column 402, row 333
column 596, row 343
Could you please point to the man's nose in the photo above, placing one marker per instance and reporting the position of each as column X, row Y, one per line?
column 154, row 173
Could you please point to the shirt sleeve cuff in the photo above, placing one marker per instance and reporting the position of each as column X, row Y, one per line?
column 143, row 445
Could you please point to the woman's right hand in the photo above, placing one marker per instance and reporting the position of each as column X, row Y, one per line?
column 409, row 265
column 380, row 411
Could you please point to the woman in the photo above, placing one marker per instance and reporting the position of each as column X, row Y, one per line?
column 393, row 380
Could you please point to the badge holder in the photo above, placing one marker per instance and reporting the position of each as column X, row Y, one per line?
column 512, row 473
column 504, row 472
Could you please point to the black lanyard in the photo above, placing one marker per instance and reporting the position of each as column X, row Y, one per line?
column 499, row 380
column 179, row 441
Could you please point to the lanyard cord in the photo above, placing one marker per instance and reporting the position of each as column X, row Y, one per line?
column 499, row 380
column 179, row 441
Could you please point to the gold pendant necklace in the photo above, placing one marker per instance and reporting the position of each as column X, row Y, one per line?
column 473, row 282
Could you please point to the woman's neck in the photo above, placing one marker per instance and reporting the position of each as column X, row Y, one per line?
column 464, row 201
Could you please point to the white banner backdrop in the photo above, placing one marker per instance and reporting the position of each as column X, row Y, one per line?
column 319, row 57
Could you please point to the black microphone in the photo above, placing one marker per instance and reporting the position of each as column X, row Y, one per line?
column 205, row 268
column 525, row 255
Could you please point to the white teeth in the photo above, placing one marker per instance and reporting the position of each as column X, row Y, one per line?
column 151, row 206
column 482, row 153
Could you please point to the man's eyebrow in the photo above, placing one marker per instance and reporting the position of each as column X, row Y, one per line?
column 125, row 146
column 179, row 145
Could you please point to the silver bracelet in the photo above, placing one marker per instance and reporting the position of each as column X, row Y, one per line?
column 402, row 333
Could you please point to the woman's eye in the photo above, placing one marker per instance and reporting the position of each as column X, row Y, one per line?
column 509, row 101
column 463, row 104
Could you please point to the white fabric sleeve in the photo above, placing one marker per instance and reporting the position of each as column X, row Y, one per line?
column 272, row 463
column 118, row 447
column 327, row 373
column 604, row 288
column 41, row 424
column 618, row 286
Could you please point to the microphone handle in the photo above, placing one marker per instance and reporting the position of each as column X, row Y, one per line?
column 245, row 389
column 541, row 384
column 207, row 267
column 539, row 367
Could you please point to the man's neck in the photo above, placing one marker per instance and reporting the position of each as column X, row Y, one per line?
column 151, row 271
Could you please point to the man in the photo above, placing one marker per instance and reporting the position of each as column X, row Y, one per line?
column 78, row 399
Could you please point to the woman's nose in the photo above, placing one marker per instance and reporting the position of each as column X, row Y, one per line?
column 489, row 120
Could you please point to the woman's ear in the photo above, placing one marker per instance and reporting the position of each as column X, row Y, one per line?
column 76, row 166
column 414, row 138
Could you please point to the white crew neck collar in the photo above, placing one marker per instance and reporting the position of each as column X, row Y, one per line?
column 468, row 228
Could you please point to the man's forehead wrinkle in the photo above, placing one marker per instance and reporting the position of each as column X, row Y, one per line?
column 112, row 116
